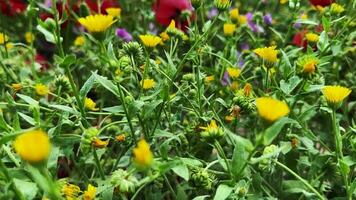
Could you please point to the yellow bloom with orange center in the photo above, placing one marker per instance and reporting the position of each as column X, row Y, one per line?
column 41, row 89
column 90, row 193
column 115, row 12
column 234, row 14
column 3, row 38
column 233, row 72
column 229, row 29
column 271, row 109
column 267, row 53
column 70, row 191
column 312, row 37
column 142, row 154
column 97, row 23
column 309, row 66
column 212, row 131
column 148, row 84
column 150, row 40
column 16, row 86
column 209, row 79
column 90, row 104
column 98, row 143
column 337, row 8
column 29, row 37
column 79, row 41
column 247, row 89
column 33, row 146
column 335, row 94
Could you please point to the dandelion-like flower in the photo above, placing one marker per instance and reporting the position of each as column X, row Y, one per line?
column 148, row 84
column 115, row 12
column 308, row 64
column 312, row 37
column 41, row 89
column 16, row 86
column 233, row 72
column 90, row 104
column 335, row 94
column 79, row 41
column 267, row 53
column 271, row 109
column 97, row 23
column 90, row 193
column 150, row 40
column 70, row 191
column 33, row 146
column 3, row 38
column 98, row 143
column 229, row 29
column 234, row 14
column 142, row 154
column 29, row 37
column 212, row 131
column 337, row 8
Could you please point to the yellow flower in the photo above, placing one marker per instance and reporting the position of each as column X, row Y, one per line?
column 234, row 85
column 212, row 131
column 312, row 37
column 9, row 45
column 16, row 86
column 79, row 41
column 209, row 79
column 337, row 8
column 70, row 191
column 97, row 23
column 229, row 118
column 148, row 84
column 90, row 104
column 33, row 146
column 304, row 16
column 29, row 37
column 242, row 19
column 98, row 143
column 120, row 138
column 335, row 94
column 89, row 194
column 150, row 40
column 3, row 38
column 115, row 12
column 41, row 89
column 229, row 29
column 283, row 1
column 271, row 109
column 267, row 53
column 164, row 36
column 309, row 66
column 233, row 72
column 143, row 155
column 234, row 14
column 172, row 24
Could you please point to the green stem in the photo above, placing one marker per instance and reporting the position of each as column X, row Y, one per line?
column 222, row 154
column 97, row 162
column 300, row 178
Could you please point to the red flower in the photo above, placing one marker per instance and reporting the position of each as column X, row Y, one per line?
column 166, row 10
column 322, row 3
column 299, row 39
column 93, row 5
column 12, row 7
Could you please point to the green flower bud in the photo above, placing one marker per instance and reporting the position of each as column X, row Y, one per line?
column 200, row 178
column 87, row 138
column 123, row 181
column 222, row 5
column 134, row 50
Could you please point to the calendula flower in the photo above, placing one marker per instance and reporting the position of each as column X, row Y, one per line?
column 120, row 138
column 41, row 89
column 247, row 89
column 115, row 12
column 164, row 36
column 233, row 72
column 267, row 53
column 148, row 84
column 308, row 63
column 9, row 45
column 312, row 37
column 90, row 104
column 98, row 143
column 335, row 94
column 212, row 131
column 271, row 109
column 3, row 38
column 142, row 154
column 70, row 191
column 150, row 40
column 229, row 29
column 97, row 23
column 16, row 86
column 29, row 37
column 33, row 146
column 337, row 8
column 79, row 41
column 90, row 193
column 234, row 14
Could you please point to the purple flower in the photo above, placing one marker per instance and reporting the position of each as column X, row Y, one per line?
column 249, row 16
column 245, row 47
column 212, row 13
column 254, row 27
column 268, row 19
column 240, row 60
column 123, row 34
column 225, row 79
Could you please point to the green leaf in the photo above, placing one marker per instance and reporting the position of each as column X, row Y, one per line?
column 67, row 61
column 63, row 108
column 28, row 189
column 273, row 131
column 87, row 85
column 345, row 169
column 238, row 158
column 48, row 35
column 27, row 118
column 306, row 21
column 109, row 85
column 222, row 192
column 27, row 99
column 288, row 87
column 182, row 171
column 201, row 197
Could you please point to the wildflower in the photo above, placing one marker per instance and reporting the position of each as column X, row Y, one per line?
column 242, row 19
column 271, row 109
column 29, row 37
column 337, row 8
column 234, row 85
column 148, row 84
column 212, row 13
column 115, row 12
column 234, row 14
column 79, row 41
column 222, row 5
column 267, row 53
column 150, row 40
column 247, row 89
column 123, row 34
column 97, row 23
column 90, row 104
column 70, row 191
column 164, row 36
column 3, row 38
column 143, row 155
column 312, row 37
column 267, row 18
column 134, row 50
column 335, row 94
column 33, row 146
column 233, row 72
column 16, row 86
column 229, row 29
column 308, row 64
column 321, row 3
column 172, row 30
column 88, row 137
column 212, row 131
column 41, row 89
column 120, row 138
column 98, row 143
column 209, row 79
column 9, row 45
column 229, row 118
column 89, row 194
